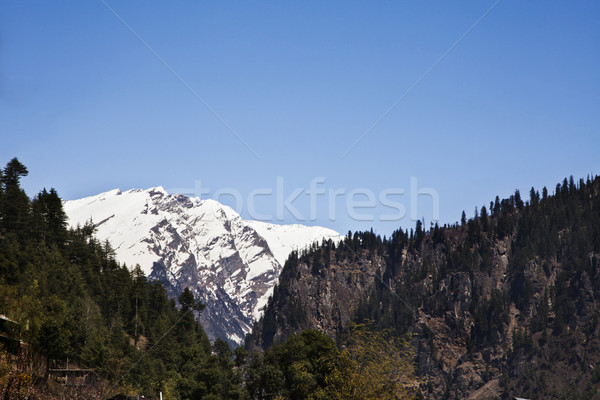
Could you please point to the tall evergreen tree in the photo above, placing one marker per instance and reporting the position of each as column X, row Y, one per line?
column 49, row 221
column 14, row 209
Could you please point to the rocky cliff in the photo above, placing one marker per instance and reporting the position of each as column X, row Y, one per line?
column 504, row 304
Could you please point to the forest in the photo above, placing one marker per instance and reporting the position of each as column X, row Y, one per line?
column 75, row 303
column 517, row 283
column 506, row 298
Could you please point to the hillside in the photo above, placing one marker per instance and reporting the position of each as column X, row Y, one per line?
column 78, row 324
column 74, row 302
column 503, row 304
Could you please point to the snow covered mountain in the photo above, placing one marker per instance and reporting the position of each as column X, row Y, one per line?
column 229, row 263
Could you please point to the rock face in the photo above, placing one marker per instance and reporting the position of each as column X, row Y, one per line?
column 309, row 296
column 230, row 264
column 497, row 308
column 467, row 331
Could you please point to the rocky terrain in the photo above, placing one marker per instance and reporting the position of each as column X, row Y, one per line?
column 230, row 264
column 504, row 304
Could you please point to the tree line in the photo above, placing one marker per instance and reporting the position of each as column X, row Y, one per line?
column 75, row 301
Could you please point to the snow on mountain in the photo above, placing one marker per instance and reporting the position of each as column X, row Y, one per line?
column 229, row 263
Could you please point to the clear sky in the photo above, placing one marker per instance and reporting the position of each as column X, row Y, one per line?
column 514, row 103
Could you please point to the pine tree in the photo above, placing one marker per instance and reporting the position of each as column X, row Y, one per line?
column 496, row 209
column 484, row 219
column 517, row 200
column 49, row 221
column 419, row 233
column 14, row 209
column 534, row 197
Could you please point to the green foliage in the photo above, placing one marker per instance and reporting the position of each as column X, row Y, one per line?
column 535, row 261
column 74, row 300
column 372, row 365
column 48, row 219
column 51, row 339
column 14, row 203
column 490, row 317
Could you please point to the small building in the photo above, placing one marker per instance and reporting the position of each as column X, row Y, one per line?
column 10, row 335
column 72, row 375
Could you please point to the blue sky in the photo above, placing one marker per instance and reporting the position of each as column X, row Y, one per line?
column 88, row 108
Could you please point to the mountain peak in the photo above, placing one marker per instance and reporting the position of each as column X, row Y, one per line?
column 158, row 189
column 230, row 264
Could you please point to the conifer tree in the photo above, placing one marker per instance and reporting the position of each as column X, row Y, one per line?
column 14, row 208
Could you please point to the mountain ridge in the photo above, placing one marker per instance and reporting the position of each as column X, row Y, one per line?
column 505, row 304
column 229, row 263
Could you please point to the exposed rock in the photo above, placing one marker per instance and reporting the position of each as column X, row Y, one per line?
column 229, row 264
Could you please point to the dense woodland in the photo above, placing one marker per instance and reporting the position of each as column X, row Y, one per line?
column 75, row 302
column 535, row 325
column 509, row 295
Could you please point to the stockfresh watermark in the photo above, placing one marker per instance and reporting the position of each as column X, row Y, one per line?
column 307, row 203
